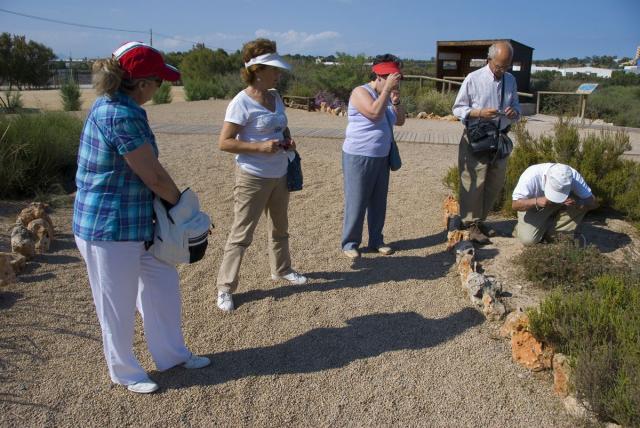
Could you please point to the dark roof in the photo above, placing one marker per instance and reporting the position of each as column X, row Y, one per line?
column 486, row 42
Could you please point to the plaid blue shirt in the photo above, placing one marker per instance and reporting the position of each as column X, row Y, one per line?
column 112, row 203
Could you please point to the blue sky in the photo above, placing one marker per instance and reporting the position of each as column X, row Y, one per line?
column 410, row 29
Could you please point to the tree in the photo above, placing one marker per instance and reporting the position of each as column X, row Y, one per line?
column 24, row 62
column 202, row 63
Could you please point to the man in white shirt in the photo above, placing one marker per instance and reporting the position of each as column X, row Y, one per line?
column 550, row 198
column 483, row 98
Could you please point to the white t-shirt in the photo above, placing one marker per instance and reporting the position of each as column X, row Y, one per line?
column 531, row 183
column 259, row 124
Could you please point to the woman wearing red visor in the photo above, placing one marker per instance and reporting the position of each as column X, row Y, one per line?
column 373, row 110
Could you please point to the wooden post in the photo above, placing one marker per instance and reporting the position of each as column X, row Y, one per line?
column 583, row 106
column 538, row 103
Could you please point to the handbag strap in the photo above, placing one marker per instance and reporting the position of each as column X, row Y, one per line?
column 501, row 101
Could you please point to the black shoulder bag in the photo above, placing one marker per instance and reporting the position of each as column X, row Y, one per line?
column 485, row 137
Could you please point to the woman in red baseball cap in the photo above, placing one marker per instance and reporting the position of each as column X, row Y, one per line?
column 374, row 108
column 117, row 178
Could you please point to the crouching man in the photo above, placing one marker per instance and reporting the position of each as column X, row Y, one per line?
column 550, row 198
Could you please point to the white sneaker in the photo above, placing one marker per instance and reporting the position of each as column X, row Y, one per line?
column 196, row 362
column 293, row 277
column 225, row 301
column 146, row 386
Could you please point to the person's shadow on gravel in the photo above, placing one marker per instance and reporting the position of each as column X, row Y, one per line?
column 328, row 348
column 368, row 271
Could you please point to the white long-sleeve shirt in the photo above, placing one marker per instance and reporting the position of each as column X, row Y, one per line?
column 480, row 89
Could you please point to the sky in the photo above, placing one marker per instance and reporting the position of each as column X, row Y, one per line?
column 408, row 29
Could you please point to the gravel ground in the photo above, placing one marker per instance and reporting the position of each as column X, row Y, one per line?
column 385, row 341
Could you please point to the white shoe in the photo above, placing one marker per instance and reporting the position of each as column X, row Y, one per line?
column 353, row 253
column 196, row 362
column 293, row 277
column 146, row 386
column 225, row 301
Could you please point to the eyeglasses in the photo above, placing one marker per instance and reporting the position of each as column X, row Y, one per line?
column 502, row 67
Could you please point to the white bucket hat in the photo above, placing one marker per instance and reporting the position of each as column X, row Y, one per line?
column 558, row 180
column 272, row 59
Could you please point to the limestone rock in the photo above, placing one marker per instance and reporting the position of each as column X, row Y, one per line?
column 474, row 284
column 422, row 115
column 492, row 308
column 456, row 236
column 34, row 211
column 526, row 350
column 7, row 274
column 450, row 207
column 466, row 266
column 463, row 248
column 23, row 241
column 578, row 409
column 561, row 375
column 43, row 234
column 517, row 320
column 17, row 261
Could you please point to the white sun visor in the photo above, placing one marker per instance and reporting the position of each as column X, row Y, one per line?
column 272, row 59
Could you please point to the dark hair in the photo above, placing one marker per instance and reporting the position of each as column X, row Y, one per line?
column 253, row 49
column 385, row 58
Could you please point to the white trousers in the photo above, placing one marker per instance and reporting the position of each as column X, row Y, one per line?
column 123, row 277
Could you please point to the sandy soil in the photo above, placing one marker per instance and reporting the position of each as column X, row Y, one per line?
column 385, row 341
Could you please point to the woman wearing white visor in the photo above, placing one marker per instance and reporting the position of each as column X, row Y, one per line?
column 255, row 129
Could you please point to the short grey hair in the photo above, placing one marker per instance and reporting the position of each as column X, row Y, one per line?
column 493, row 49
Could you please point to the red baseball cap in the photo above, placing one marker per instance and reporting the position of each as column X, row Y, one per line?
column 139, row 60
column 384, row 68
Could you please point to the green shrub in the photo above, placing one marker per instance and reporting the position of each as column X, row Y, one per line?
column 38, row 153
column 70, row 94
column 562, row 264
column 221, row 86
column 451, row 181
column 11, row 102
column 432, row 101
column 617, row 104
column 163, row 94
column 599, row 327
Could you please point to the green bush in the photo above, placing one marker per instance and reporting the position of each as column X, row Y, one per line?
column 562, row 264
column 38, row 153
column 599, row 327
column 11, row 102
column 70, row 94
column 163, row 94
column 617, row 104
column 220, row 86
column 451, row 181
column 430, row 101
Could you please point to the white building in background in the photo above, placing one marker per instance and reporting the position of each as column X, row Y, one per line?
column 593, row 71
column 632, row 69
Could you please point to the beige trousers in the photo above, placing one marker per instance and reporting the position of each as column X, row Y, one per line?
column 533, row 225
column 253, row 196
column 480, row 182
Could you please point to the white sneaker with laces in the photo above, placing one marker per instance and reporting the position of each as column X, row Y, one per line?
column 293, row 277
column 225, row 301
column 146, row 386
column 196, row 362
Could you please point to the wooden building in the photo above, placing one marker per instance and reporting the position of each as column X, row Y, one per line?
column 456, row 59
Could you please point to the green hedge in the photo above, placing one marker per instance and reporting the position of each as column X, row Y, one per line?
column 38, row 153
column 599, row 328
column 163, row 94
